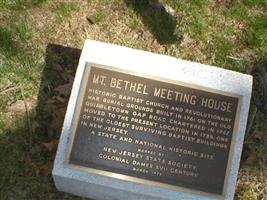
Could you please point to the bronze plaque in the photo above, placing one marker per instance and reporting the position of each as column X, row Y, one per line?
column 153, row 130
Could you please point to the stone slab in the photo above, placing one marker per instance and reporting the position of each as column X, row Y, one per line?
column 97, row 186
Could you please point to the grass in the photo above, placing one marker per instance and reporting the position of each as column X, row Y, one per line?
column 24, row 31
column 225, row 29
column 228, row 34
column 7, row 47
column 19, row 4
column 64, row 9
column 257, row 33
column 17, row 34
column 17, row 63
column 22, row 173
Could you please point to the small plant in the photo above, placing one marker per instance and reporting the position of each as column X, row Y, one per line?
column 7, row 44
column 257, row 33
column 24, row 31
column 65, row 9
column 99, row 16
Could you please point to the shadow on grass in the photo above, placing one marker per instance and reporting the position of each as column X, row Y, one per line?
column 56, row 82
column 160, row 23
column 7, row 44
column 27, row 153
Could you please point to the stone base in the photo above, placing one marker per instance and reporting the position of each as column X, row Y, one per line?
column 95, row 186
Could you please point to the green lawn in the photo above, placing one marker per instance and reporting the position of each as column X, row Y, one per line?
column 35, row 74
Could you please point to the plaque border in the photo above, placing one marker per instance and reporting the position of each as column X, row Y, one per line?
column 128, row 178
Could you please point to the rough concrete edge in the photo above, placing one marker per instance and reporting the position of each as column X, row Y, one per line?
column 239, row 144
column 98, row 189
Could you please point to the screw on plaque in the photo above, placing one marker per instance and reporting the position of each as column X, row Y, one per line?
column 259, row 91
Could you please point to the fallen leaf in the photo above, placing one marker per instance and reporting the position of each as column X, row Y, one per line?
column 258, row 135
column 51, row 101
column 58, row 118
column 64, row 90
column 51, row 146
column 251, row 159
column 57, row 67
column 60, row 99
column 67, row 77
column 47, row 168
